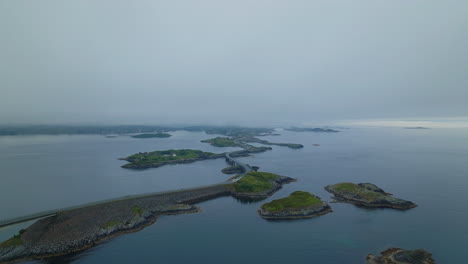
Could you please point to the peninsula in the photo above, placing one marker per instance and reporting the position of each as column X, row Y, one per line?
column 366, row 195
column 297, row 205
column 401, row 256
column 82, row 228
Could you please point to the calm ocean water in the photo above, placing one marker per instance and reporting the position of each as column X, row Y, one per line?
column 428, row 167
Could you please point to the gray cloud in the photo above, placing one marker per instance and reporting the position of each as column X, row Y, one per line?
column 262, row 61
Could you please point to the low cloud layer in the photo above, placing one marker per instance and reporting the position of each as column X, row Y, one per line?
column 231, row 62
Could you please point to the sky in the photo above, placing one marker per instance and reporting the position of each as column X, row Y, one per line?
column 237, row 62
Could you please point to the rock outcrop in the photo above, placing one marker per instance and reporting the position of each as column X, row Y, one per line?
column 366, row 195
column 401, row 256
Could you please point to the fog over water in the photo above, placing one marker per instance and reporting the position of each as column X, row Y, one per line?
column 268, row 62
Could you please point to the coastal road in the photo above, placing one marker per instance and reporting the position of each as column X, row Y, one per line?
column 246, row 167
column 21, row 219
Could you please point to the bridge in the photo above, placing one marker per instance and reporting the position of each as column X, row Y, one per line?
column 247, row 168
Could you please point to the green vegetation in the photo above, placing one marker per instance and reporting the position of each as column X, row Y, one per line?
column 296, row 200
column 221, row 142
column 156, row 158
column 351, row 188
column 110, row 224
column 137, row 211
column 255, row 182
column 12, row 242
column 157, row 135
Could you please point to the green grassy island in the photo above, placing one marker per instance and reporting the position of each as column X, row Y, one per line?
column 221, row 142
column 259, row 184
column 156, row 159
column 156, row 135
column 297, row 205
column 366, row 195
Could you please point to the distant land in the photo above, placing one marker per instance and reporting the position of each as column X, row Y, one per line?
column 416, row 128
column 305, row 129
column 157, row 135
column 233, row 131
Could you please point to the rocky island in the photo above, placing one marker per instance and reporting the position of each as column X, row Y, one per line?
column 156, row 135
column 258, row 185
column 401, row 256
column 297, row 205
column 366, row 195
column 241, row 142
column 233, row 169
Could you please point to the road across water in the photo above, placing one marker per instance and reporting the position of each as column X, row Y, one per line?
column 25, row 218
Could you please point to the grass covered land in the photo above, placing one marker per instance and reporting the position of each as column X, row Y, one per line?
column 367, row 195
column 221, row 142
column 156, row 135
column 355, row 189
column 157, row 158
column 296, row 200
column 255, row 181
column 12, row 242
column 110, row 224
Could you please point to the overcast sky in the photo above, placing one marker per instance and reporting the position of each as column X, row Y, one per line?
column 232, row 62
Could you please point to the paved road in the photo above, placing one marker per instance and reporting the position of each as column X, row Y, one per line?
column 21, row 219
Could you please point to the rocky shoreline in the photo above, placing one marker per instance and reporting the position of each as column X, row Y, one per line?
column 401, row 256
column 276, row 186
column 367, row 195
column 239, row 153
column 298, row 205
column 79, row 229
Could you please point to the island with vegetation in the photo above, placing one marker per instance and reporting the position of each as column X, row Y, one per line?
column 401, row 256
column 297, row 205
column 306, row 129
column 258, row 185
column 366, row 195
column 241, row 142
column 153, row 135
column 155, row 159
column 222, row 142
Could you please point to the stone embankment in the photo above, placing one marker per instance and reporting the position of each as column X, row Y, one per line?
column 79, row 229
